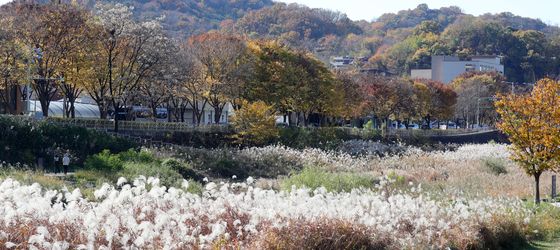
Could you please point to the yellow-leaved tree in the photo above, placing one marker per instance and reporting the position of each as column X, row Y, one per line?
column 255, row 123
column 532, row 123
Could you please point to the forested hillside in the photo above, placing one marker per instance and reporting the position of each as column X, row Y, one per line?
column 394, row 42
column 182, row 18
column 399, row 42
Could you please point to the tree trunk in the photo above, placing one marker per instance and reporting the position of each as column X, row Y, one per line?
column 537, row 191
column 305, row 119
column 73, row 109
column 116, row 118
column 102, row 111
column 169, row 112
column 429, row 121
column 218, row 114
column 154, row 112
column 44, row 107
column 291, row 121
column 182, row 111
column 385, row 128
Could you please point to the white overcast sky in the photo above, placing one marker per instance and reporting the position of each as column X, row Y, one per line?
column 547, row 10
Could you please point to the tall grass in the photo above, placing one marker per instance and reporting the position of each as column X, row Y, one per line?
column 313, row 178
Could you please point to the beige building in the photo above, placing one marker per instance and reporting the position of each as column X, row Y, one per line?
column 446, row 68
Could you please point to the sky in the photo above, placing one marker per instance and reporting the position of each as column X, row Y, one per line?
column 546, row 10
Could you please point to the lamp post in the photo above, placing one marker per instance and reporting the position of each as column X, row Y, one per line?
column 64, row 102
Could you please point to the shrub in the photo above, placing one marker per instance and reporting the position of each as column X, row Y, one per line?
column 314, row 178
column 322, row 234
column 545, row 225
column 135, row 156
column 500, row 233
column 200, row 139
column 195, row 187
column 184, row 169
column 496, row 166
column 23, row 140
column 104, row 161
column 92, row 178
column 226, row 168
column 167, row 176
column 255, row 124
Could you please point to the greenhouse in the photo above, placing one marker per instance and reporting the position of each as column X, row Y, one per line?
column 56, row 109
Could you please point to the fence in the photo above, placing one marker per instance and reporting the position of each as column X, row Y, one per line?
column 133, row 126
column 411, row 133
column 145, row 129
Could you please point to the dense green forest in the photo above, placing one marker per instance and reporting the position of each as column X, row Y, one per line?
column 394, row 42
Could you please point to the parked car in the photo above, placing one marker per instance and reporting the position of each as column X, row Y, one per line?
column 413, row 126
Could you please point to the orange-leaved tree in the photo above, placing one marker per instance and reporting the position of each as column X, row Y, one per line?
column 255, row 123
column 532, row 123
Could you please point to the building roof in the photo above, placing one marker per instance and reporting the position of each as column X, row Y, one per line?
column 56, row 109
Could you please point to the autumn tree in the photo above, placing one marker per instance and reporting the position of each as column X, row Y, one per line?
column 127, row 50
column 294, row 82
column 475, row 95
column 532, row 123
column 381, row 97
column 77, row 70
column 222, row 58
column 157, row 87
column 352, row 96
column 191, row 88
column 433, row 100
column 51, row 33
column 255, row 123
column 12, row 68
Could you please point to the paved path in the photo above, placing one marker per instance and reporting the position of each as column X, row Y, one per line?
column 544, row 245
column 58, row 174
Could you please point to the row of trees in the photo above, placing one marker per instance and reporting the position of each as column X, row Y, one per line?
column 65, row 51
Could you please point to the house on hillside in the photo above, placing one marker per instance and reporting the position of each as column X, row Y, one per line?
column 446, row 68
column 341, row 62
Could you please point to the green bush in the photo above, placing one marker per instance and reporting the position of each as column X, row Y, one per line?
column 92, row 178
column 241, row 163
column 104, row 161
column 167, row 176
column 314, row 178
column 23, row 140
column 495, row 165
column 545, row 224
column 135, row 156
column 183, row 169
column 226, row 168
column 195, row 187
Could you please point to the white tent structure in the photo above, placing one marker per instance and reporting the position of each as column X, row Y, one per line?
column 56, row 109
